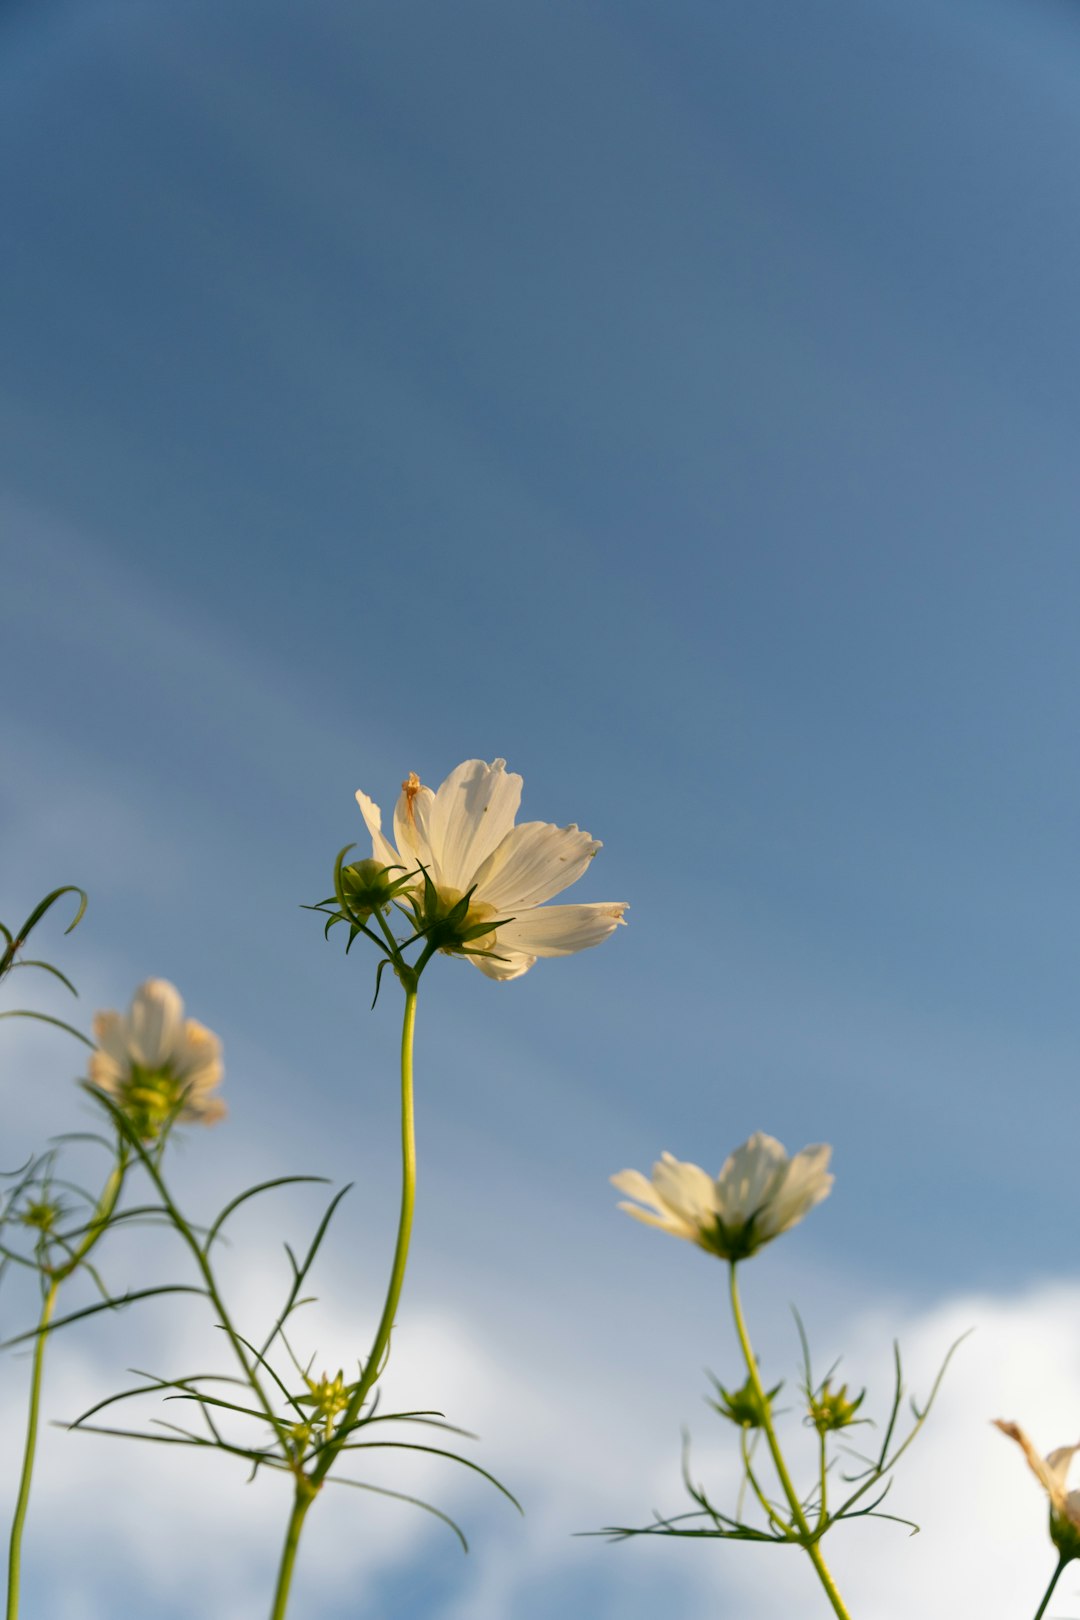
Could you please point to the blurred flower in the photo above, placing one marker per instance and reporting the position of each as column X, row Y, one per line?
column 758, row 1194
column 1051, row 1472
column 157, row 1065
column 487, row 879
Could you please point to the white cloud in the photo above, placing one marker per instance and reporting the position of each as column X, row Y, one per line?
column 586, row 1438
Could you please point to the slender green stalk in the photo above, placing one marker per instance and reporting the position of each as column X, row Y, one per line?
column 302, row 1501
column 23, row 1500
column 308, row 1485
column 56, row 1276
column 1041, row 1610
column 807, row 1536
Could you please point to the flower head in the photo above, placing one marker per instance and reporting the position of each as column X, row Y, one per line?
column 157, row 1065
column 758, row 1194
column 482, row 881
column 1052, row 1472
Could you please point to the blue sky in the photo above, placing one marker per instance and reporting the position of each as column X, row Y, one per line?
column 680, row 402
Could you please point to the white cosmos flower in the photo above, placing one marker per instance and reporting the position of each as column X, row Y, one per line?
column 157, row 1064
column 1051, row 1472
column 758, row 1194
column 464, row 837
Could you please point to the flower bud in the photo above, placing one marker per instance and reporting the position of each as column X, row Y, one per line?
column 744, row 1407
column 42, row 1214
column 831, row 1409
column 367, row 886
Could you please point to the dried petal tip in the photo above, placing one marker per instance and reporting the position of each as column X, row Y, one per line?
column 1052, row 1472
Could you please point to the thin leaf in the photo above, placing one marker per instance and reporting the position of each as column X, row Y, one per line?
column 108, row 1305
column 45, row 1018
column 46, row 967
column 253, row 1192
column 435, row 1451
column 400, row 1496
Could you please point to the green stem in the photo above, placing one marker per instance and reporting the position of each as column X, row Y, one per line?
column 308, row 1485
column 1041, row 1610
column 98, row 1222
column 23, row 1500
column 302, row 1501
column 373, row 1365
column 807, row 1537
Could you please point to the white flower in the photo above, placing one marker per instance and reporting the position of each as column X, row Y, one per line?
column 156, row 1064
column 1051, row 1472
column 465, row 839
column 758, row 1194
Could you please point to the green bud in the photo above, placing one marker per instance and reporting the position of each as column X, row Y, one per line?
column 40, row 1213
column 1065, row 1535
column 743, row 1407
column 367, row 886
column 831, row 1409
column 327, row 1396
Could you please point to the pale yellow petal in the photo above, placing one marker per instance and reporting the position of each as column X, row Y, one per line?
column 534, row 862
column 472, row 813
column 412, row 829
column 506, row 966
column 748, row 1178
column 381, row 847
column 560, row 930
column 154, row 1023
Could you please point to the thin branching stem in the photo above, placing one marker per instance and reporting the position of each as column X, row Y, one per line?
column 33, row 1414
column 53, row 1279
column 807, row 1537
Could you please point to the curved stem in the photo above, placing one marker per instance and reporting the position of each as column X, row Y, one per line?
column 1041, row 1610
column 806, row 1535
column 23, row 1499
column 308, row 1485
column 373, row 1365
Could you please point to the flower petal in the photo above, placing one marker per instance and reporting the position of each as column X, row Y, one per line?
column 636, row 1185
column 804, row 1183
column 1042, row 1473
column 505, row 965
column 111, row 1034
column 560, row 930
column 105, row 1073
column 157, row 1011
column 473, row 811
column 412, row 818
column 381, row 847
column 198, row 1060
column 749, row 1177
column 533, row 862
column 687, row 1190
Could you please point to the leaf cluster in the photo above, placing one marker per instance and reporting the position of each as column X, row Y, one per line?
column 871, row 1479
column 270, row 1412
